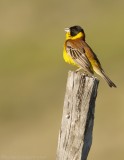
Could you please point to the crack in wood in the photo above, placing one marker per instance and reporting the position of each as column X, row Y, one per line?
column 75, row 137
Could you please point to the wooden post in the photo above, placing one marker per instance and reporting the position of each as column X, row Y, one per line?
column 75, row 137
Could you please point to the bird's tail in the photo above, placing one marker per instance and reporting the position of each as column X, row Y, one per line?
column 110, row 83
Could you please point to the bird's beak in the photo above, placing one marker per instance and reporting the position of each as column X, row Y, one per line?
column 67, row 30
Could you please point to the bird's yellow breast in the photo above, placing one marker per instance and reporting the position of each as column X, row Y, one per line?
column 68, row 58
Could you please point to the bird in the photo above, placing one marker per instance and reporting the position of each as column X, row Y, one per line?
column 77, row 52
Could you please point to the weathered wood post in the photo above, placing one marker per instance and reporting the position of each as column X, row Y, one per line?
column 75, row 137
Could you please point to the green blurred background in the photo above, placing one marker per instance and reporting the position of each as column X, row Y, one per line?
column 33, row 75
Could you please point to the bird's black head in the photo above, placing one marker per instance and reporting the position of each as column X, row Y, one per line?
column 74, row 30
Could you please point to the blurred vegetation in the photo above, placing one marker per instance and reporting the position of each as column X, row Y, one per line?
column 33, row 75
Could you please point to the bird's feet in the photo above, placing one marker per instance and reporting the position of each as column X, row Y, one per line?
column 84, row 73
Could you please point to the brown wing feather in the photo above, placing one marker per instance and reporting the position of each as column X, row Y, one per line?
column 76, row 50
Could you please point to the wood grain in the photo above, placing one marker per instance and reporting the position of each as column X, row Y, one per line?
column 75, row 137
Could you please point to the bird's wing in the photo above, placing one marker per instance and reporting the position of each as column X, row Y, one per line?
column 76, row 50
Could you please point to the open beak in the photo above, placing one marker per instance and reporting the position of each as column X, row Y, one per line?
column 67, row 30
